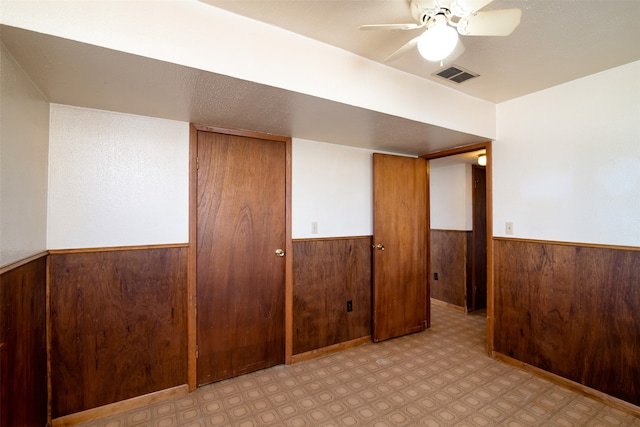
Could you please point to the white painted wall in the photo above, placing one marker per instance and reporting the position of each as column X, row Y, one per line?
column 24, row 128
column 450, row 197
column 567, row 161
column 116, row 179
column 179, row 31
column 331, row 185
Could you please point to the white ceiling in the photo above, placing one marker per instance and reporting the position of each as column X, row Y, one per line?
column 73, row 73
column 557, row 41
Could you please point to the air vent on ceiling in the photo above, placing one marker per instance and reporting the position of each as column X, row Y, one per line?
column 456, row 74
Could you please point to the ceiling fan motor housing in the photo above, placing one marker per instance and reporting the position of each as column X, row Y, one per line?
column 420, row 13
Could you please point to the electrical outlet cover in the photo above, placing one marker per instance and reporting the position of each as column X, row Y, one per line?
column 508, row 227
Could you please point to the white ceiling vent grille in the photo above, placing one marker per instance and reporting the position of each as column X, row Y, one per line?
column 456, row 74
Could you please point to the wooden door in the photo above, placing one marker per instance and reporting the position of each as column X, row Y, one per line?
column 400, row 289
column 479, row 240
column 240, row 279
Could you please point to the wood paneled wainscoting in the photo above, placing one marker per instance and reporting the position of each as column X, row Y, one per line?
column 23, row 357
column 327, row 273
column 451, row 260
column 572, row 310
column 118, row 324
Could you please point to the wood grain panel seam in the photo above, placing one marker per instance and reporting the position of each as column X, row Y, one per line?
column 562, row 243
column 571, row 385
column 22, row 262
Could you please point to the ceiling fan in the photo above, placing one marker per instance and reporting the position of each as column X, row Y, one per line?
column 441, row 19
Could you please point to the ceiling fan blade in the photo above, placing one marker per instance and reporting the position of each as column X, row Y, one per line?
column 490, row 23
column 391, row 27
column 404, row 49
column 469, row 5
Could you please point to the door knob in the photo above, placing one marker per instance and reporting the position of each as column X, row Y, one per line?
column 279, row 252
column 380, row 247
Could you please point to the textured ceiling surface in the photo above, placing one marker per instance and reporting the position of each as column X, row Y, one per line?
column 79, row 74
column 556, row 41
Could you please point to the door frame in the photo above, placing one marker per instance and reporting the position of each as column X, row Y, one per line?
column 489, row 211
column 192, row 339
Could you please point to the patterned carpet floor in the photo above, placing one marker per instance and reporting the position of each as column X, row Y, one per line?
column 439, row 377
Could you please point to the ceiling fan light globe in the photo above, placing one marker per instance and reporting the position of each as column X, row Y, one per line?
column 437, row 43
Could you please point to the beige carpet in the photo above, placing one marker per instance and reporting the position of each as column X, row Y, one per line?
column 440, row 377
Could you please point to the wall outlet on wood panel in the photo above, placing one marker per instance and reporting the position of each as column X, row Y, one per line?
column 435, row 276
column 349, row 305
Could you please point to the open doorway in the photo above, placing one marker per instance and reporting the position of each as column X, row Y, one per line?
column 460, row 231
